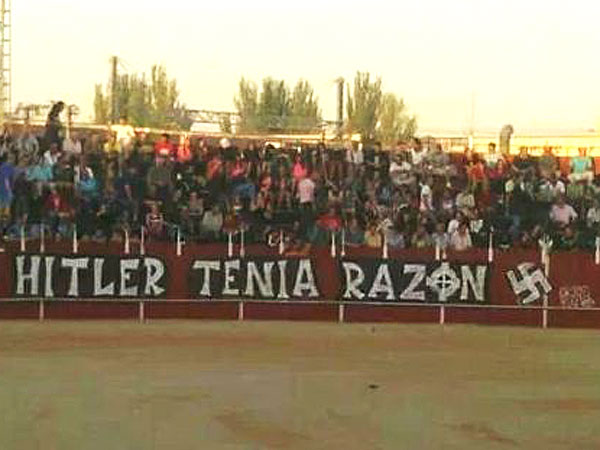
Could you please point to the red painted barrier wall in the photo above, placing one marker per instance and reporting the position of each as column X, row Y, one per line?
column 317, row 312
column 354, row 313
column 295, row 311
column 575, row 279
column 494, row 316
column 90, row 310
column 191, row 310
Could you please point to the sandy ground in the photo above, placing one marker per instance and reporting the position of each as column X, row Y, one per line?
column 211, row 385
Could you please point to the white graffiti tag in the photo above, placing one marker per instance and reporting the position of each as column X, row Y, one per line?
column 576, row 297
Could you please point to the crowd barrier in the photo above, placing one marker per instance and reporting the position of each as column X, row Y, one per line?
column 101, row 281
column 313, row 311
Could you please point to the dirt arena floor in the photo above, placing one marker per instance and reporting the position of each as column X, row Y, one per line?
column 230, row 385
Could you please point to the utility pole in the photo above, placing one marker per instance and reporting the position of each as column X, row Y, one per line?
column 472, row 127
column 5, row 59
column 113, row 90
column 340, row 107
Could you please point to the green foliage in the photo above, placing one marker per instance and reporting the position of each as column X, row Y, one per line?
column 152, row 104
column 304, row 108
column 225, row 124
column 101, row 106
column 376, row 115
column 363, row 105
column 273, row 105
column 246, row 103
column 394, row 124
column 275, row 108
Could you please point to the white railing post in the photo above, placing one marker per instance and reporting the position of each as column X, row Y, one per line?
column 23, row 238
column 229, row 244
column 126, row 249
column 178, row 249
column 42, row 239
column 242, row 244
column 75, row 242
column 333, row 246
column 142, row 241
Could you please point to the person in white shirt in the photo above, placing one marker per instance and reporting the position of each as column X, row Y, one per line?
column 51, row 155
column 454, row 223
column 124, row 135
column 593, row 215
column 417, row 154
column 355, row 155
column 461, row 238
column 491, row 158
column 426, row 203
column 562, row 214
column 306, row 192
column 72, row 145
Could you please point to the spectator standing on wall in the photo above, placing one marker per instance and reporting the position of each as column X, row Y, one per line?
column 54, row 130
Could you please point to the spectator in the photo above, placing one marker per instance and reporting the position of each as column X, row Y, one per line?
column 306, row 193
column 212, row 223
column 72, row 145
column 562, row 214
column 461, row 238
column 194, row 211
column 421, row 238
column 547, row 164
column 373, row 236
column 155, row 222
column 163, row 149
column 581, row 167
column 440, row 237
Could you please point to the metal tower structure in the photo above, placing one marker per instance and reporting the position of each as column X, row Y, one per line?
column 5, row 59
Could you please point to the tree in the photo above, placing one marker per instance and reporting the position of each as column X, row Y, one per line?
column 101, row 106
column 394, row 124
column 363, row 105
column 246, row 103
column 273, row 105
column 274, row 108
column 225, row 123
column 149, row 105
column 304, row 108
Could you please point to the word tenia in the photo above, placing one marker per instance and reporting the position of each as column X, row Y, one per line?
column 280, row 279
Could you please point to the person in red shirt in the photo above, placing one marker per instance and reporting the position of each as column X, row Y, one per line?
column 330, row 221
column 184, row 150
column 163, row 148
column 214, row 167
column 55, row 209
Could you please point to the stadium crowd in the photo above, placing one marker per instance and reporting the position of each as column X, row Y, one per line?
column 415, row 195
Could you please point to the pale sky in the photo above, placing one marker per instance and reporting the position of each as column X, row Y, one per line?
column 534, row 64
